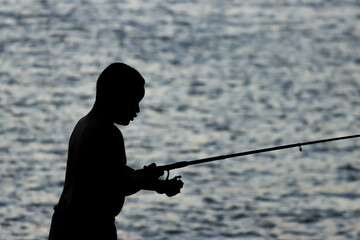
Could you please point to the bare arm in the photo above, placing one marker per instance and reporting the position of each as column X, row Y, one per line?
column 143, row 179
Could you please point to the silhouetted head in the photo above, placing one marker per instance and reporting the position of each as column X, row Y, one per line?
column 119, row 90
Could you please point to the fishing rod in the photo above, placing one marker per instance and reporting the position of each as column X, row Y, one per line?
column 269, row 149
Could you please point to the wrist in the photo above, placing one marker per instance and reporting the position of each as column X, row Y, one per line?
column 151, row 185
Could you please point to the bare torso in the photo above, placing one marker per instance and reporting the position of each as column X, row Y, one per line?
column 95, row 173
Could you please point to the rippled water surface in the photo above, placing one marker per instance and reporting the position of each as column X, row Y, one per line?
column 222, row 77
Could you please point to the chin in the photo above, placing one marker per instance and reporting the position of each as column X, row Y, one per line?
column 123, row 122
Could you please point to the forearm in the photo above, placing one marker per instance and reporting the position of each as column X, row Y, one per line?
column 152, row 185
column 133, row 184
column 137, row 181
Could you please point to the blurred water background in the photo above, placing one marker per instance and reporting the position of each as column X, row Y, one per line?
column 222, row 77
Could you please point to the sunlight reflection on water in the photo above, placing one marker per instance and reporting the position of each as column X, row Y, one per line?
column 222, row 77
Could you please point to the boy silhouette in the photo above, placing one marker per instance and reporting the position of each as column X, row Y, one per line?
column 97, row 178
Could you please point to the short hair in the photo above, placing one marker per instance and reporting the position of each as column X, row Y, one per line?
column 117, row 78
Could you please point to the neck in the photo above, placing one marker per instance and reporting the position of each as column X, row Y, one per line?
column 101, row 112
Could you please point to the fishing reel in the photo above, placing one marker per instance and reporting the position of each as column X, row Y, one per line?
column 167, row 174
column 170, row 187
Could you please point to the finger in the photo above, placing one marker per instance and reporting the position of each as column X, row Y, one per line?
column 160, row 172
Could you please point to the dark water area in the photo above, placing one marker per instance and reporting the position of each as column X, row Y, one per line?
column 222, row 77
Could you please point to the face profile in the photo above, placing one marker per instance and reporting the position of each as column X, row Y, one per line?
column 126, row 110
column 119, row 91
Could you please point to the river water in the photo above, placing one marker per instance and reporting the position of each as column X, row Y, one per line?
column 222, row 77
